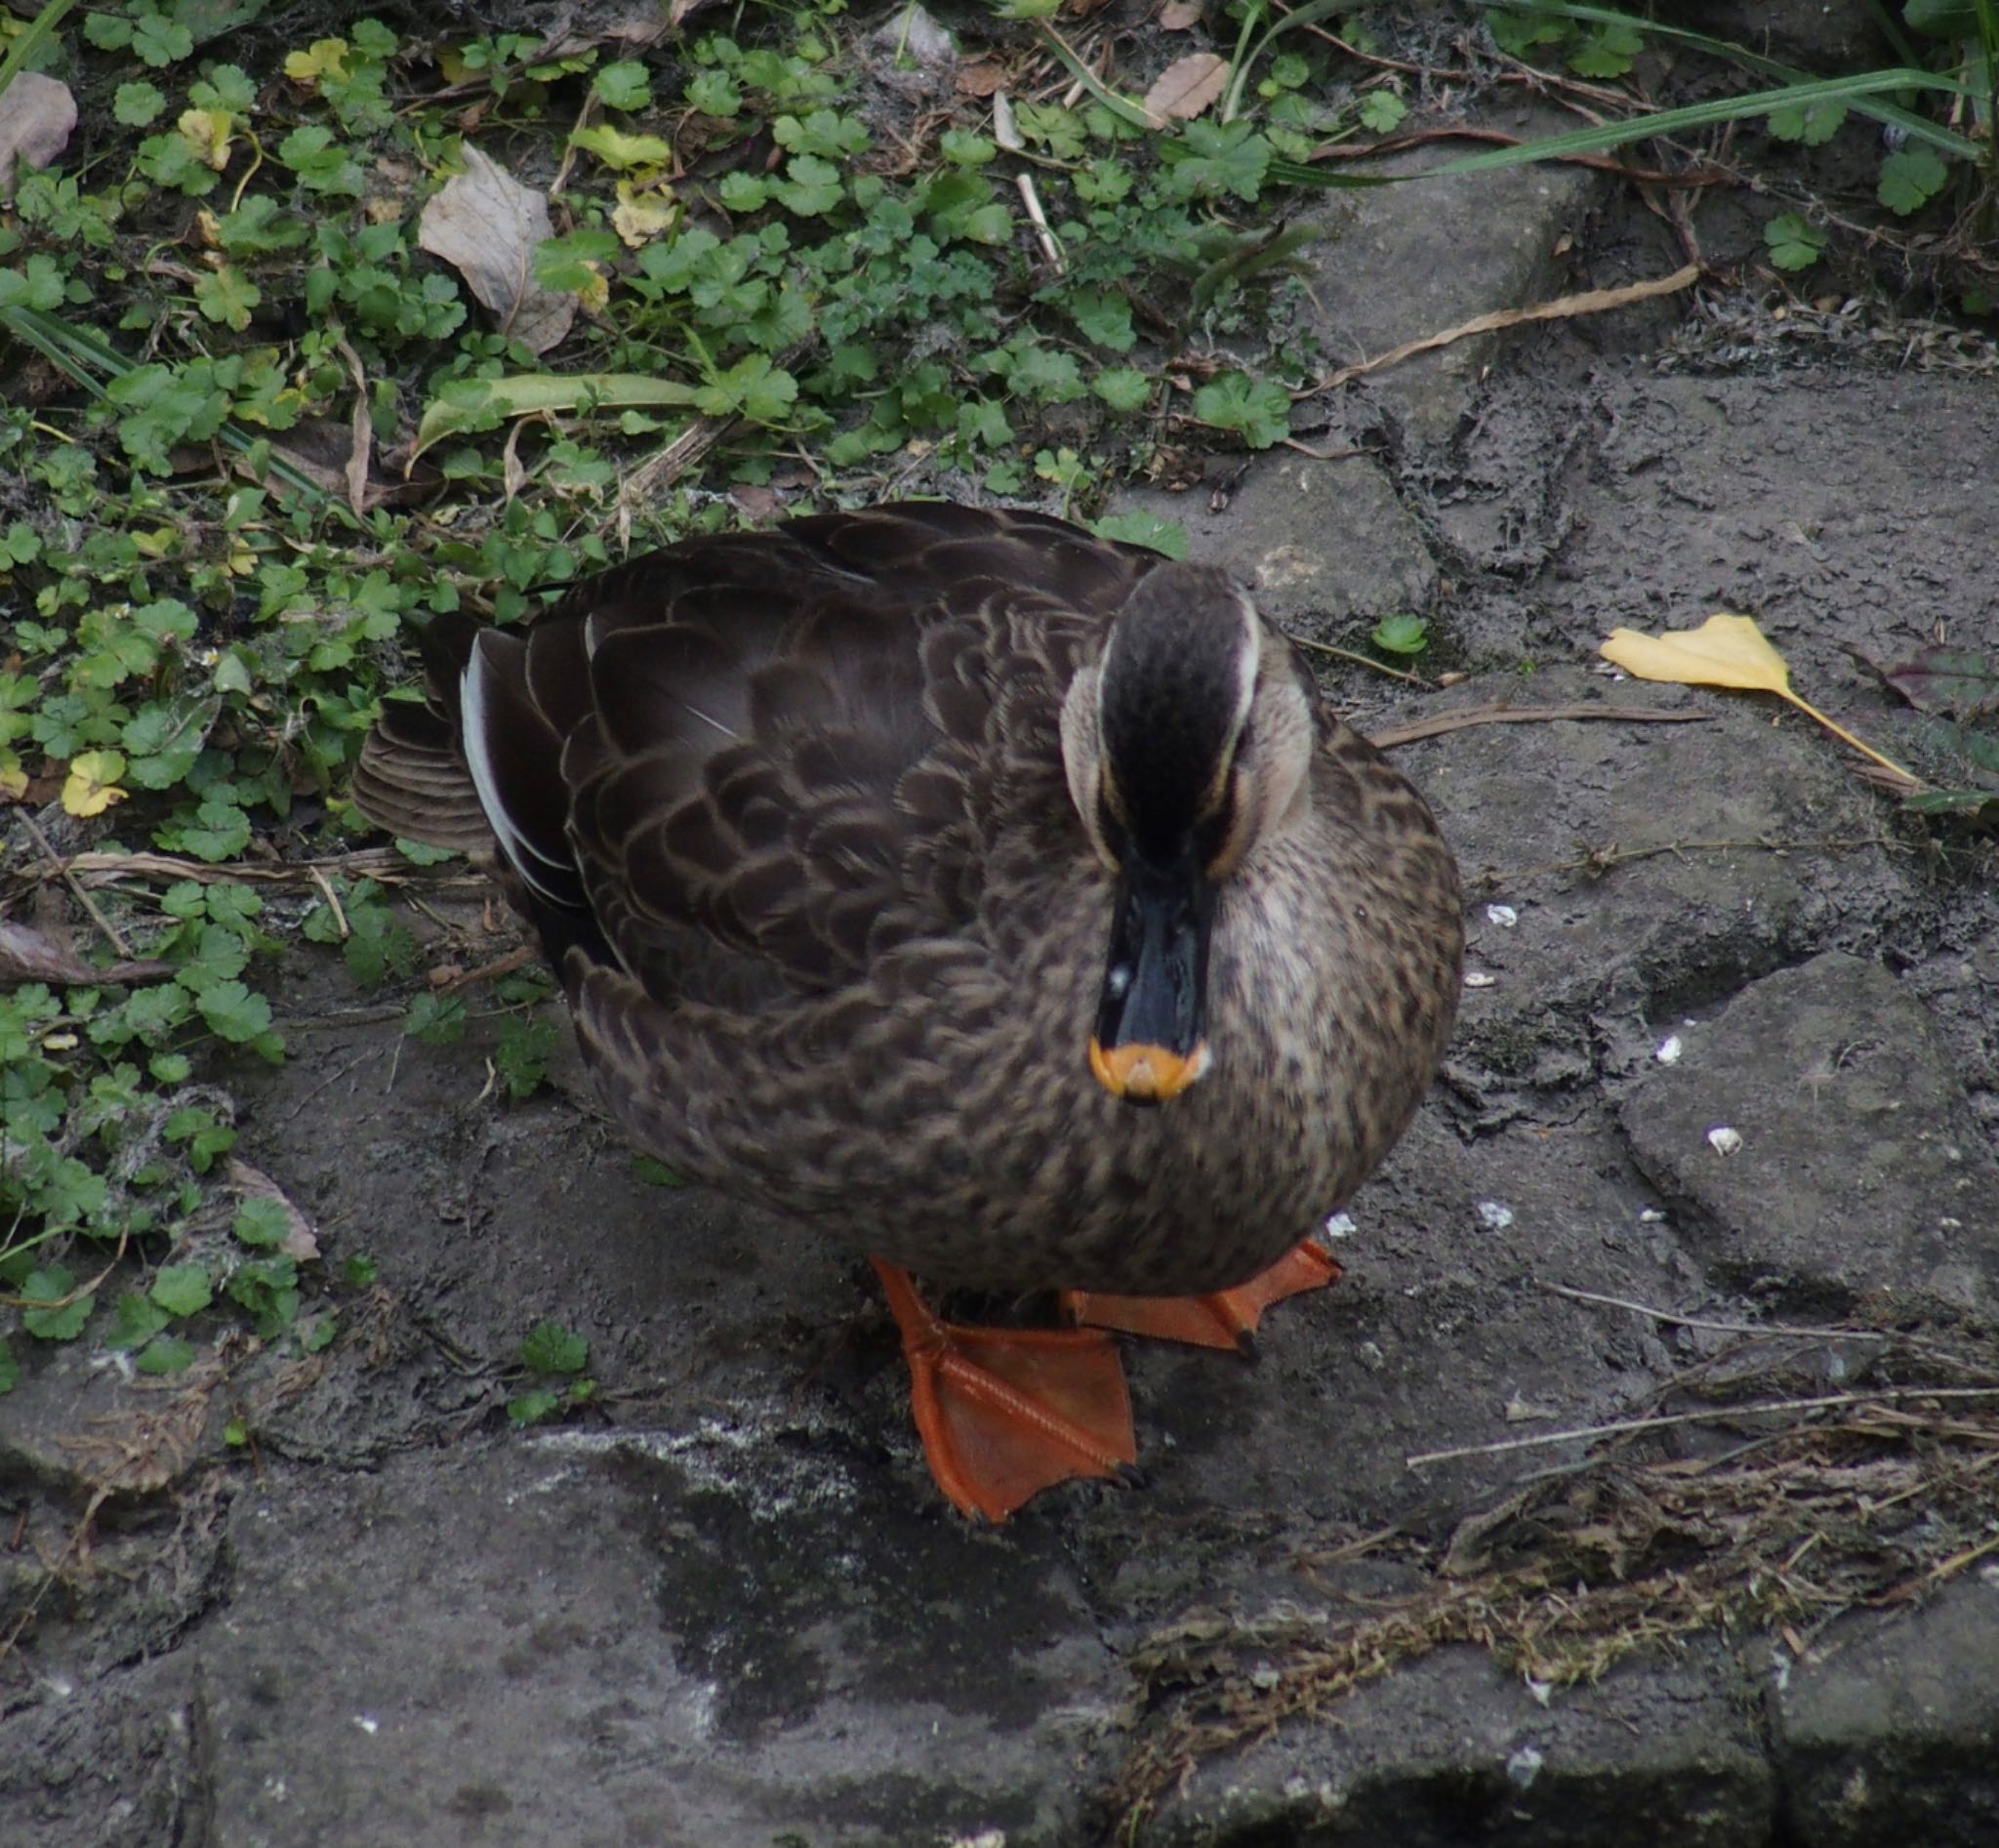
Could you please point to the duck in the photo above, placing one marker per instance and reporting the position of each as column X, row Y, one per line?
column 1001, row 900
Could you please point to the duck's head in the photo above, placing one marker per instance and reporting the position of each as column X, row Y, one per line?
column 1186, row 746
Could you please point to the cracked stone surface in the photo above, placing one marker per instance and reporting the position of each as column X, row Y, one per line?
column 729, row 1608
column 1853, row 1158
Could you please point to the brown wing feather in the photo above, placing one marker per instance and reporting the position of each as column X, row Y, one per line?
column 411, row 779
column 763, row 760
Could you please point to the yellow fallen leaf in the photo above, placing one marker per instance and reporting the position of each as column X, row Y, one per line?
column 207, row 133
column 328, row 58
column 643, row 214
column 92, row 785
column 616, row 148
column 13, row 778
column 1725, row 651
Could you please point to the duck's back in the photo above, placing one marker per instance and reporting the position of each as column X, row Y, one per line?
column 744, row 769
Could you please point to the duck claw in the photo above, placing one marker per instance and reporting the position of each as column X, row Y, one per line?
column 1006, row 1413
column 1220, row 1317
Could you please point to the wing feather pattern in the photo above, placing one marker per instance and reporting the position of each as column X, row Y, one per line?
column 743, row 769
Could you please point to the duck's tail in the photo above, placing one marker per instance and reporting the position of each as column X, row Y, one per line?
column 474, row 768
column 412, row 778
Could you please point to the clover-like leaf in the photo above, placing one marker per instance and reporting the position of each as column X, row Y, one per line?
column 92, row 785
column 53, row 1312
column 183, row 1289
column 234, row 1012
column 1910, row 177
column 1793, row 241
column 1260, row 409
column 550, row 1348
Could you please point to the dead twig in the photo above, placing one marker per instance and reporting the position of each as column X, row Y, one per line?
column 1362, row 660
column 1712, row 1414
column 385, row 865
column 340, row 916
column 1472, row 716
column 1032, row 199
column 1602, row 859
column 1790, row 1330
column 1602, row 163
column 1588, row 301
column 457, row 980
column 64, row 871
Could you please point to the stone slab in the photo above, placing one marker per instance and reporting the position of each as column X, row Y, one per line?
column 1858, row 1168
column 1887, row 1732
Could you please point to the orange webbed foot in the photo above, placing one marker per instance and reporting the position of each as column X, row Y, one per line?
column 1006, row 1413
column 1223, row 1318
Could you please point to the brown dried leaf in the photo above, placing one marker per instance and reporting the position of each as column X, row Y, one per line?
column 299, row 1243
column 36, row 116
column 485, row 223
column 361, row 427
column 27, row 955
column 1176, row 16
column 1186, row 86
column 1962, row 682
column 981, row 79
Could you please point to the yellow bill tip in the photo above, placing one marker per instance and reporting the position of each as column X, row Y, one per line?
column 1147, row 1074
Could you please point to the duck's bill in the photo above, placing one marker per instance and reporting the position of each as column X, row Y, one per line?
column 1150, row 1042
column 1147, row 1074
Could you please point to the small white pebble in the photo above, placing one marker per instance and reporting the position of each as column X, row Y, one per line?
column 1724, row 1140
column 1478, row 978
column 1504, row 916
column 1651, row 1215
column 1668, row 1051
column 1341, row 1227
column 1496, row 1217
column 368, row 1724
column 1524, row 1767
